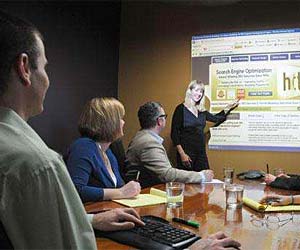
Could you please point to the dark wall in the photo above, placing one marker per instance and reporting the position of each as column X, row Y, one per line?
column 82, row 46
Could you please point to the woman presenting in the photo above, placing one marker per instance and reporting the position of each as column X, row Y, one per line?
column 188, row 123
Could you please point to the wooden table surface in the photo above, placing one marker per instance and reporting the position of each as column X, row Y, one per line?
column 205, row 203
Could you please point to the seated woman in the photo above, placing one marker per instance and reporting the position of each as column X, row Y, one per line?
column 283, row 181
column 91, row 164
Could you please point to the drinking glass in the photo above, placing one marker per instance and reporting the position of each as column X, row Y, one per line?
column 234, row 195
column 174, row 192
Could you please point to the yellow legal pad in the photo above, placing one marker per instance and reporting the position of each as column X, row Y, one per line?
column 264, row 208
column 156, row 196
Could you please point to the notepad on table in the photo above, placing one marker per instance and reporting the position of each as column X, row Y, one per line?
column 155, row 197
column 264, row 208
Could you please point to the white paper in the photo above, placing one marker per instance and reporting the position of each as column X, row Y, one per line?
column 214, row 181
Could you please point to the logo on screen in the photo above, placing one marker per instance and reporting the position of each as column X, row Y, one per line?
column 289, row 81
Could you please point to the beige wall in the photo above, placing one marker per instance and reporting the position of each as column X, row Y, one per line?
column 155, row 63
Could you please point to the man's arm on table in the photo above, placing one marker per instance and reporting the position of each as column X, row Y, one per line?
column 154, row 157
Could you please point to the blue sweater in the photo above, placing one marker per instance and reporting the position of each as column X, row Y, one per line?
column 88, row 172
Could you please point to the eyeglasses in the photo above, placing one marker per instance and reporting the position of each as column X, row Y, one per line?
column 272, row 222
column 164, row 115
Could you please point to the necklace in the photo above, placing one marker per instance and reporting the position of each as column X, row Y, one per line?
column 104, row 156
column 107, row 164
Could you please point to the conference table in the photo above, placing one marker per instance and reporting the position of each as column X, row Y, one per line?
column 205, row 203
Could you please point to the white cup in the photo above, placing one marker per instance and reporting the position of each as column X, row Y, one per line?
column 234, row 195
column 174, row 192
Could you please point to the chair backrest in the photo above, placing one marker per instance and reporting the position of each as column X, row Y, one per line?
column 65, row 156
column 147, row 178
column 5, row 243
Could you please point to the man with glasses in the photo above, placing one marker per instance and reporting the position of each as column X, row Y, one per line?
column 146, row 148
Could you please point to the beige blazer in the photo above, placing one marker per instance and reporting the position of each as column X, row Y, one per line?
column 145, row 150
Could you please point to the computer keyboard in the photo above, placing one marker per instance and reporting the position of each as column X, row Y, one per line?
column 156, row 234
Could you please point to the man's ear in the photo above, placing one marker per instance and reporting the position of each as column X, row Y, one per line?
column 158, row 121
column 23, row 69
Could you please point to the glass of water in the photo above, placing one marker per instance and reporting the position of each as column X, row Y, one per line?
column 174, row 192
column 234, row 195
column 228, row 175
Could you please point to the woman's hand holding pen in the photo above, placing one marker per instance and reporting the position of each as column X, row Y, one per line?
column 276, row 200
column 270, row 178
column 131, row 189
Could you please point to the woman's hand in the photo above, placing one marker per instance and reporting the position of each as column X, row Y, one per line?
column 186, row 160
column 232, row 106
column 269, row 178
column 276, row 200
column 283, row 175
column 130, row 190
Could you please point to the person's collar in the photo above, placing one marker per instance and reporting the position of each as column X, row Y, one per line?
column 13, row 102
column 103, row 146
column 9, row 116
column 156, row 136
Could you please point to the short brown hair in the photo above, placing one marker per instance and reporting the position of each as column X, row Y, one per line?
column 17, row 36
column 100, row 119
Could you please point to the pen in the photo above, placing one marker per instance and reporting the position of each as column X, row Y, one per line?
column 186, row 222
column 137, row 176
column 267, row 168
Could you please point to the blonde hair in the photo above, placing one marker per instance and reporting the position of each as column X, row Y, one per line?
column 100, row 119
column 188, row 95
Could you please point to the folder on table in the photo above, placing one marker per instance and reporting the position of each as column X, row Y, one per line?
column 264, row 208
column 155, row 197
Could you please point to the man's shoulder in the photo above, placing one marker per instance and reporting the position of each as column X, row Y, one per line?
column 143, row 140
column 24, row 155
column 143, row 136
column 30, row 166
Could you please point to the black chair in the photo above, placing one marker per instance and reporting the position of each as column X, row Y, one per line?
column 5, row 243
column 118, row 150
column 147, row 178
column 65, row 156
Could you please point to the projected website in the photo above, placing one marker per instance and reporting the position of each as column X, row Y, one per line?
column 262, row 69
